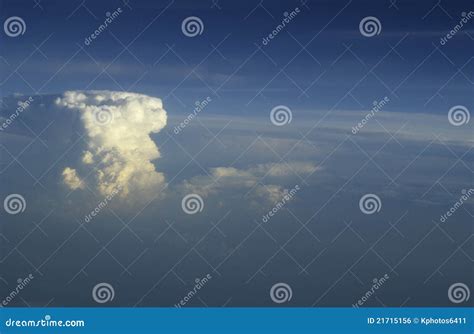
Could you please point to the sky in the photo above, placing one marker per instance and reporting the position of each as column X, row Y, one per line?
column 273, row 153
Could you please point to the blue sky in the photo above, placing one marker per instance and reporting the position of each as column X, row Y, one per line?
column 335, row 52
column 102, row 126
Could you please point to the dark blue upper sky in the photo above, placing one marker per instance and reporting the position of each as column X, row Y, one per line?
column 311, row 64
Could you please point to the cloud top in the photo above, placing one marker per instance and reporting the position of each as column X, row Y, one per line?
column 119, row 151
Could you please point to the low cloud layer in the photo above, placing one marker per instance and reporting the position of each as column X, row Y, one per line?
column 263, row 180
column 119, row 151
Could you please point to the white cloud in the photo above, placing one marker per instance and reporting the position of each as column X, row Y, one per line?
column 266, row 180
column 88, row 158
column 71, row 179
column 120, row 151
column 284, row 169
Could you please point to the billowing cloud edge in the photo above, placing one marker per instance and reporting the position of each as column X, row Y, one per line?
column 119, row 151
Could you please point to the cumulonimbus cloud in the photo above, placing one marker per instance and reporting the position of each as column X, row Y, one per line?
column 119, row 151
